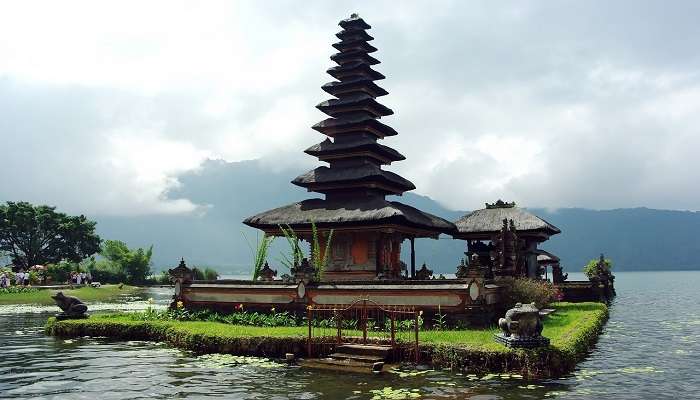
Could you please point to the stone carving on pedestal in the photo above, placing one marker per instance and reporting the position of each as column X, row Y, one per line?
column 304, row 272
column 267, row 274
column 558, row 275
column 424, row 273
column 181, row 272
column 71, row 306
column 522, row 327
column 180, row 275
column 504, row 256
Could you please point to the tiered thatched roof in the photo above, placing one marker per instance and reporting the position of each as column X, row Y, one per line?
column 354, row 183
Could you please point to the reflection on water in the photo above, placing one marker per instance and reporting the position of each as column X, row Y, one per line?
column 648, row 350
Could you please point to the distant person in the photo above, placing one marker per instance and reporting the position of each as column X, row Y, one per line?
column 83, row 277
column 19, row 278
column 4, row 281
column 77, row 279
column 25, row 279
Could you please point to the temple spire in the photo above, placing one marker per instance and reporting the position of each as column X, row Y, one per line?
column 353, row 126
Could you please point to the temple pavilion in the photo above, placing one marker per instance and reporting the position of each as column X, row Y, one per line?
column 512, row 233
column 369, row 230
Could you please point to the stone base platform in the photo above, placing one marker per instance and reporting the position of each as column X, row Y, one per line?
column 63, row 317
column 521, row 342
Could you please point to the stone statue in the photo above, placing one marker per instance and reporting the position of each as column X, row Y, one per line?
column 558, row 276
column 71, row 306
column 424, row 273
column 267, row 274
column 522, row 327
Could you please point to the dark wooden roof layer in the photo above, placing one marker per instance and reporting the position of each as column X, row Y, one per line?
column 354, row 23
column 490, row 220
column 328, row 148
column 371, row 211
column 348, row 125
column 353, row 70
column 360, row 102
column 350, row 57
column 324, row 176
column 352, row 86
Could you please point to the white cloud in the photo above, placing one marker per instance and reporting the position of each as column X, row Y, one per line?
column 104, row 104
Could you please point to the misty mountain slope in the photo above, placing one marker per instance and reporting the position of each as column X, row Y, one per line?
column 637, row 238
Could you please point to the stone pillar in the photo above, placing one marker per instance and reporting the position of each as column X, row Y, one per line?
column 531, row 260
column 413, row 257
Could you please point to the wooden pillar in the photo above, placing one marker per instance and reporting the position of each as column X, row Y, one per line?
column 413, row 257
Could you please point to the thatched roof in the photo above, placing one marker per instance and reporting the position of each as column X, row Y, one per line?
column 545, row 257
column 364, row 173
column 370, row 211
column 490, row 220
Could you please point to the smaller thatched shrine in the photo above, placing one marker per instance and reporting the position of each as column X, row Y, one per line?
column 505, row 237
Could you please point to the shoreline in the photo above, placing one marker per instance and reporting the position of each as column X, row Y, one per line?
column 42, row 296
column 442, row 349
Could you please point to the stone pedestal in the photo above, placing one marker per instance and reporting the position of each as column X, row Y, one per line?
column 64, row 316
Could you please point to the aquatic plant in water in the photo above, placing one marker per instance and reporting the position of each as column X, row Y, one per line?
column 218, row 361
column 390, row 393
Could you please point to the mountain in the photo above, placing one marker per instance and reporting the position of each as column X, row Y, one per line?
column 635, row 239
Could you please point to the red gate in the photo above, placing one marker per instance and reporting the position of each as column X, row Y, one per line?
column 363, row 321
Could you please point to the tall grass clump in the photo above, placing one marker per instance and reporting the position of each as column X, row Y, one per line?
column 295, row 253
column 259, row 250
column 320, row 255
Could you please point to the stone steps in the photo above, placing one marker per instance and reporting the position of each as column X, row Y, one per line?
column 342, row 365
column 353, row 358
column 357, row 357
column 365, row 350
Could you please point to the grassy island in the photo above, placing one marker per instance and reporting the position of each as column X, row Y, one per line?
column 573, row 329
column 43, row 296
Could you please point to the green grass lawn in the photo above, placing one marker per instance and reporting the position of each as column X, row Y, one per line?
column 43, row 296
column 566, row 328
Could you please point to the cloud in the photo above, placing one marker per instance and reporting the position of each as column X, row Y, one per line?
column 103, row 105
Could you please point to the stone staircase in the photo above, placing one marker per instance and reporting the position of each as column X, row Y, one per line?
column 354, row 358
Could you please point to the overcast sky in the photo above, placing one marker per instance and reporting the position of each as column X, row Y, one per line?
column 550, row 104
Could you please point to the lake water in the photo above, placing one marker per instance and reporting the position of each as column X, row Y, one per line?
column 649, row 350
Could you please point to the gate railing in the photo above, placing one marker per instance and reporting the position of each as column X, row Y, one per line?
column 397, row 326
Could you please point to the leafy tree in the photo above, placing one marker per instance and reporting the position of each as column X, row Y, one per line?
column 33, row 235
column 134, row 264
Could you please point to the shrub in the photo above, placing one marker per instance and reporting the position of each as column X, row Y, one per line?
column 593, row 269
column 17, row 289
column 206, row 274
column 524, row 290
column 60, row 272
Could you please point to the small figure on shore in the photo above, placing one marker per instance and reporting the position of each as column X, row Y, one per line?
column 4, row 281
column 19, row 278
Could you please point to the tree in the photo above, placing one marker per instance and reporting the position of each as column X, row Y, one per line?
column 135, row 264
column 33, row 235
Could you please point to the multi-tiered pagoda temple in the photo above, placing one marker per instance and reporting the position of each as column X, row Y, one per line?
column 368, row 228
